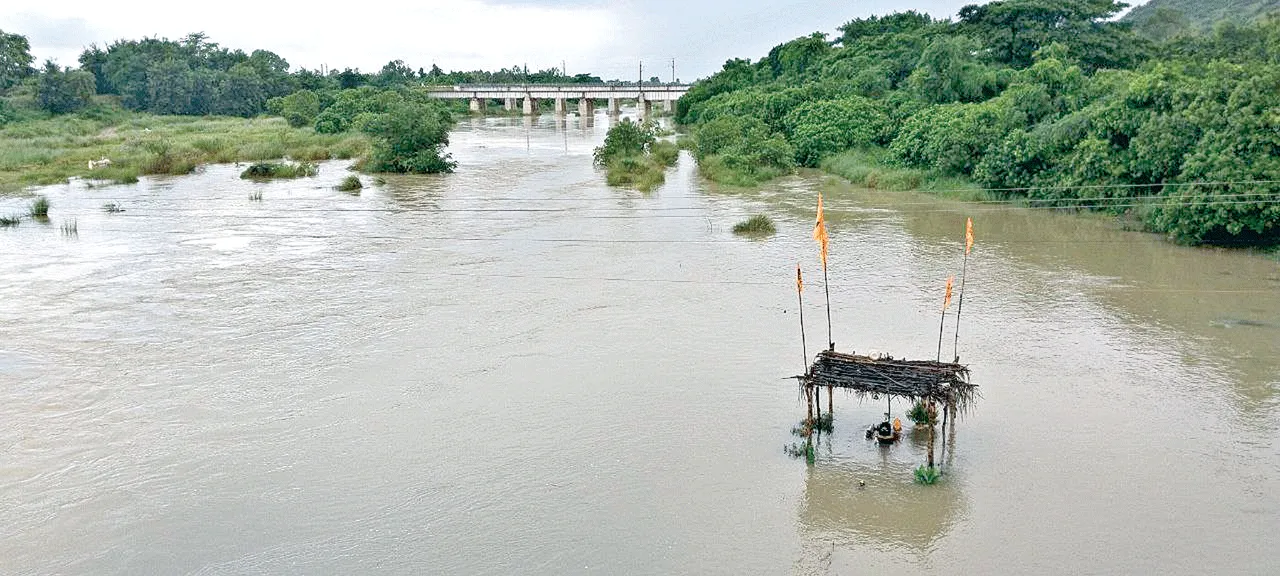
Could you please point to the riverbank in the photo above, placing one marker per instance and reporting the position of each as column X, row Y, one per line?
column 50, row 150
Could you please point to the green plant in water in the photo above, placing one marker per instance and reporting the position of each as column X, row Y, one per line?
column 350, row 184
column 800, row 451
column 758, row 225
column 69, row 228
column 920, row 414
column 269, row 170
column 112, row 208
column 39, row 208
column 255, row 196
column 928, row 474
column 10, row 220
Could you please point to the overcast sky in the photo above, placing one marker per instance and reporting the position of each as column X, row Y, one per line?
column 604, row 38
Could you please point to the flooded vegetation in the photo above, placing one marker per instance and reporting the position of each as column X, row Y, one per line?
column 200, row 383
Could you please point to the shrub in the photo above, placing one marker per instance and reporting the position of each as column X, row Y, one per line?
column 350, row 184
column 755, row 225
column 410, row 138
column 626, row 138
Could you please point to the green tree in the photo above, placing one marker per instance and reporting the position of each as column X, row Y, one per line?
column 949, row 72
column 300, row 108
column 821, row 128
column 241, row 93
column 411, row 137
column 60, row 91
column 15, row 60
column 626, row 138
column 170, row 86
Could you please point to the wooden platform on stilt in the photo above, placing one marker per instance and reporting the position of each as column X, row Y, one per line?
column 945, row 383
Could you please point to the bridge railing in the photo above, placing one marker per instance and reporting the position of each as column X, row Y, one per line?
column 555, row 87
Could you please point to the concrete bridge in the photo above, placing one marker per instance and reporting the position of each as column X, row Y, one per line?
column 585, row 94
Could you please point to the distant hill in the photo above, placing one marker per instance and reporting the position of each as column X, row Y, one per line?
column 1203, row 14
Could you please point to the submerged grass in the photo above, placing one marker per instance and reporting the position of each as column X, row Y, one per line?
column 10, row 220
column 714, row 168
column 270, row 170
column 70, row 228
column 646, row 171
column 49, row 150
column 758, row 225
column 350, row 184
column 39, row 208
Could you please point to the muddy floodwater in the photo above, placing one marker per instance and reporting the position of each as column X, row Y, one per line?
column 516, row 369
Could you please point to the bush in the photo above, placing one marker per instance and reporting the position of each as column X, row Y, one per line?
column 350, row 184
column 741, row 151
column 819, row 129
column 61, row 91
column 300, row 108
column 626, row 138
column 410, row 138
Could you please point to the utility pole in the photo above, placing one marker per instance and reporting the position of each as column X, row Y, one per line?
column 564, row 70
column 673, row 70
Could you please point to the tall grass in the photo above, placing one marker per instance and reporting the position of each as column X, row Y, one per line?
column 39, row 208
column 758, row 225
column 872, row 169
column 350, row 184
column 70, row 228
column 48, row 150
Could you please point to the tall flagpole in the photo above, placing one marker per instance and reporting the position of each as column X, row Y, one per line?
column 820, row 234
column 968, row 245
column 826, row 287
column 804, row 349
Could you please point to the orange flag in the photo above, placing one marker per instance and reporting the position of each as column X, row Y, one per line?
column 799, row 281
column 968, row 235
column 820, row 232
column 947, row 301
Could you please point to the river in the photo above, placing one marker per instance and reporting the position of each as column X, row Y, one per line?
column 517, row 369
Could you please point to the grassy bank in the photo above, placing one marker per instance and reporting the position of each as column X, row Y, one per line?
column 870, row 169
column 48, row 150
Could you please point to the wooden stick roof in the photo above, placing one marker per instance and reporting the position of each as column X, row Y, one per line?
column 915, row 379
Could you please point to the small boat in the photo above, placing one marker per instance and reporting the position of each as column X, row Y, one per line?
column 885, row 433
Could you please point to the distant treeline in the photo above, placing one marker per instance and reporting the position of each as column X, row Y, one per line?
column 194, row 76
column 1053, row 101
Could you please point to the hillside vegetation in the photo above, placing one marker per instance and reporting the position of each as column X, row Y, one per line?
column 1052, row 102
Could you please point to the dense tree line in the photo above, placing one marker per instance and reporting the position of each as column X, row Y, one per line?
column 1053, row 100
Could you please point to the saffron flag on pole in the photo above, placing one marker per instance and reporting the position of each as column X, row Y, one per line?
column 947, row 301
column 820, row 232
column 799, row 280
column 968, row 235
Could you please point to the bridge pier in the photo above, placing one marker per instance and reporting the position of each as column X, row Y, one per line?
column 477, row 105
column 614, row 110
column 562, row 106
column 586, row 107
column 644, row 108
column 509, row 104
column 530, row 106
column 669, row 106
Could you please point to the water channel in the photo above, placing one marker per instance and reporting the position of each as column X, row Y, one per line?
column 517, row 369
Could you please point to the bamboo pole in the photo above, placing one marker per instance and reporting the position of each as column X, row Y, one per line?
column 826, row 286
column 955, row 347
column 804, row 348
